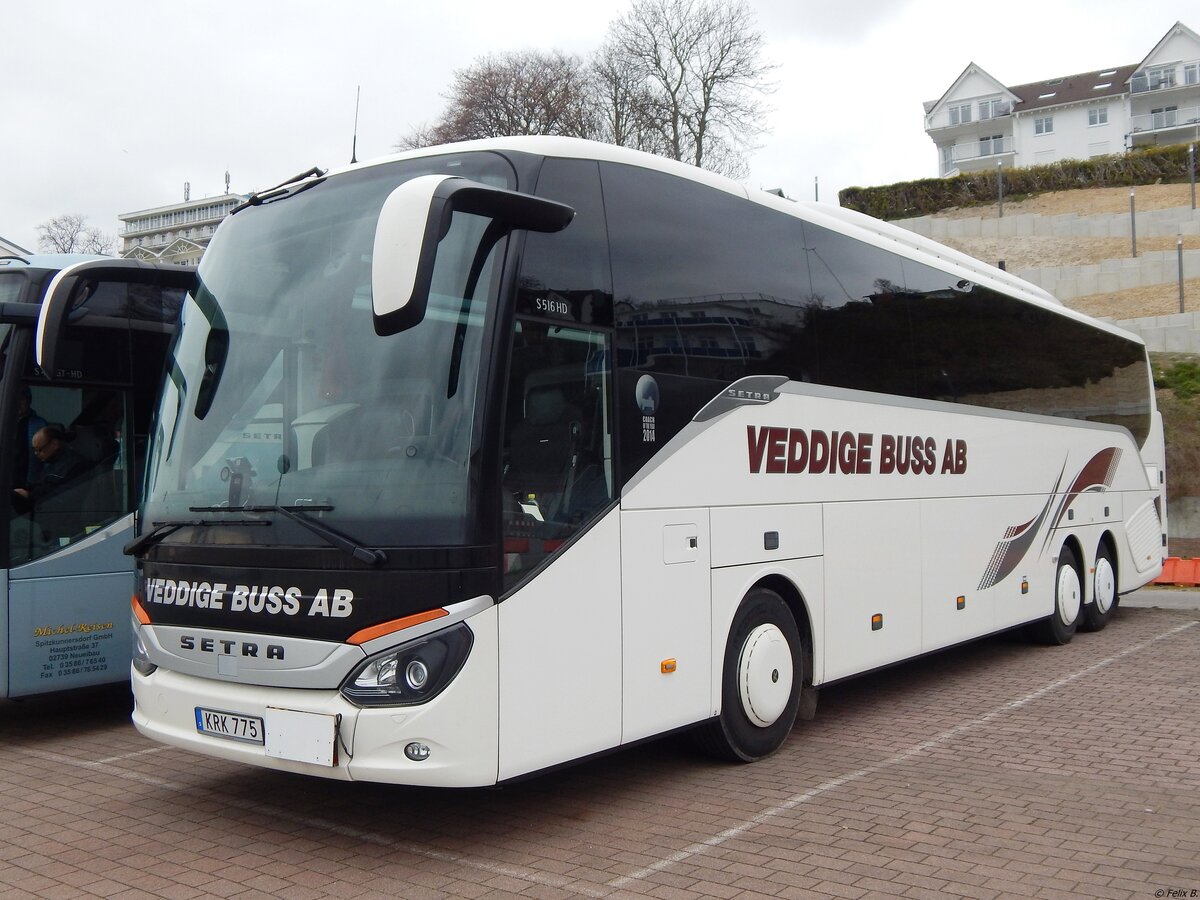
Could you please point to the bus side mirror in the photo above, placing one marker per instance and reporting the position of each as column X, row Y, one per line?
column 416, row 216
column 66, row 295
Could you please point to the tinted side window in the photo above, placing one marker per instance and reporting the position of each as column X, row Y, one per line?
column 708, row 287
column 76, row 453
column 980, row 347
column 13, row 285
column 566, row 276
column 558, row 465
column 858, row 314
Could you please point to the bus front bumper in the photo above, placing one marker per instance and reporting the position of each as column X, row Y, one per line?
column 319, row 732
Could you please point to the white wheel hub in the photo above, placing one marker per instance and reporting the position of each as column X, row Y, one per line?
column 1104, row 586
column 765, row 675
column 1069, row 597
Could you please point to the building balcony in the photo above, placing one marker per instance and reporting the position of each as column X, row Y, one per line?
column 945, row 124
column 181, row 224
column 977, row 156
column 1165, row 126
column 1166, row 78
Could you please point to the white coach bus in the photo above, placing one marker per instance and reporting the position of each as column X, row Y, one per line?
column 486, row 458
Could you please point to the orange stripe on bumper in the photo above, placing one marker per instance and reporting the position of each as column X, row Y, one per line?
column 384, row 628
column 139, row 611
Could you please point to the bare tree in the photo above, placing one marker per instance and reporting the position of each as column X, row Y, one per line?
column 423, row 135
column 628, row 112
column 526, row 92
column 701, row 62
column 70, row 233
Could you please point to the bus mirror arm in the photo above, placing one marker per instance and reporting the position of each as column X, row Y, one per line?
column 18, row 313
column 414, row 219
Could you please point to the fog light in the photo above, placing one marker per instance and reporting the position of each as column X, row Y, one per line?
column 417, row 752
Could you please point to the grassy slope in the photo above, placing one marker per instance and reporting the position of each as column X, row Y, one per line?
column 1178, row 378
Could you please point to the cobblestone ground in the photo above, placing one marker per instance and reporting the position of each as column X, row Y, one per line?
column 995, row 769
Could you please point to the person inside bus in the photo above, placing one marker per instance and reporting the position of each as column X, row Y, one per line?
column 26, row 466
column 60, row 464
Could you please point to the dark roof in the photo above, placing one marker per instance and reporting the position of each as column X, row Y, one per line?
column 1109, row 82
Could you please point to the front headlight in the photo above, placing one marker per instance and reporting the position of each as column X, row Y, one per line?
column 411, row 673
column 141, row 659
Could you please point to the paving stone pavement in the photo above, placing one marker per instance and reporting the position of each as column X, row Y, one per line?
column 997, row 769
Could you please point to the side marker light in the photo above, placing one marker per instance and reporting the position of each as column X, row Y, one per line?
column 960, row 602
column 877, row 622
column 667, row 666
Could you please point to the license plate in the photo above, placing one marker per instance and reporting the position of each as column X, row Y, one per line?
column 233, row 726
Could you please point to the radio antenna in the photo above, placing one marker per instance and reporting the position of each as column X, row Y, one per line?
column 354, row 143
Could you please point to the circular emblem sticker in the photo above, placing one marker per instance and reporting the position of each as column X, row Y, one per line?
column 647, row 395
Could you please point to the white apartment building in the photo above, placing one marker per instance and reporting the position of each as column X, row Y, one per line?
column 979, row 123
column 8, row 248
column 177, row 233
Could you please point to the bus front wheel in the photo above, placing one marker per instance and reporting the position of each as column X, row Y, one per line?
column 1059, row 627
column 762, row 675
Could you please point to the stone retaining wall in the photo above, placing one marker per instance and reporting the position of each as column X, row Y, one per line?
column 1148, row 268
column 1151, row 223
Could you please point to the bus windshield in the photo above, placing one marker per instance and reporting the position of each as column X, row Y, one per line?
column 280, row 393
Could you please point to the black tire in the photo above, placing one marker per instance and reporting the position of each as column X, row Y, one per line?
column 758, row 704
column 1105, row 598
column 1059, row 627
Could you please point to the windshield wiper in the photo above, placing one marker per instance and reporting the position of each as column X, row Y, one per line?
column 335, row 538
column 281, row 189
column 165, row 529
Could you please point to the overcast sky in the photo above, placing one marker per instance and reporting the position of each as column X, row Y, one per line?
column 109, row 107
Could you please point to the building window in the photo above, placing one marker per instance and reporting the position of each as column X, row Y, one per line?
column 947, row 159
column 1191, row 73
column 960, row 115
column 1163, row 117
column 991, row 109
column 991, row 145
column 1043, row 125
column 1098, row 115
column 1161, row 77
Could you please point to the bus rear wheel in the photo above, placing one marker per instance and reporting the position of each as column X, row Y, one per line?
column 1104, row 592
column 1059, row 627
column 761, row 679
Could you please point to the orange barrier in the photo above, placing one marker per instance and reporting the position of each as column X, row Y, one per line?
column 1179, row 571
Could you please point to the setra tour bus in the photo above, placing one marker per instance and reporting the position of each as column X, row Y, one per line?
column 485, row 458
column 64, row 588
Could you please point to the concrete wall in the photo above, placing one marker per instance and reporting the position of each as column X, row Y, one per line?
column 1150, row 223
column 1068, row 282
column 1183, row 519
column 1148, row 268
column 1179, row 333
